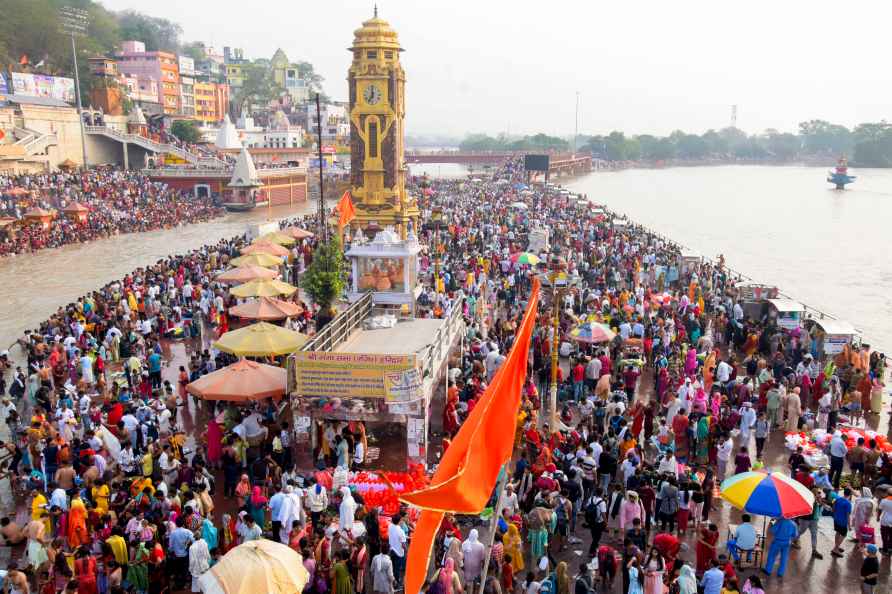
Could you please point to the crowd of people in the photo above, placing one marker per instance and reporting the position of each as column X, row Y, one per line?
column 130, row 484
column 117, row 202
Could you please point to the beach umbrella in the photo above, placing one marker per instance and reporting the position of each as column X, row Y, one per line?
column 277, row 237
column 265, row 260
column 244, row 274
column 525, row 258
column 592, row 333
column 264, row 247
column 769, row 494
column 266, row 308
column 256, row 566
column 243, row 381
column 519, row 205
column 297, row 232
column 260, row 340
column 263, row 288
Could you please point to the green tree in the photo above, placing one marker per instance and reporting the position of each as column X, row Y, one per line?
column 194, row 50
column 156, row 33
column 782, row 145
column 873, row 144
column 306, row 72
column 186, row 130
column 691, row 146
column 822, row 137
column 616, row 146
column 258, row 87
column 324, row 280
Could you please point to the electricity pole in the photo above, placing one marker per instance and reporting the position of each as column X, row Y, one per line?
column 321, row 184
column 74, row 23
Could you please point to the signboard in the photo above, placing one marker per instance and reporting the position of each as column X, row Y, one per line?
column 402, row 386
column 535, row 162
column 835, row 343
column 347, row 375
column 39, row 85
column 3, row 88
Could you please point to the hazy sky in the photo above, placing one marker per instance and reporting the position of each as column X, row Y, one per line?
column 494, row 66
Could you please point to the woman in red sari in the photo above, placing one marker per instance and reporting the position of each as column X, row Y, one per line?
column 85, row 572
column 450, row 413
column 637, row 413
column 707, row 538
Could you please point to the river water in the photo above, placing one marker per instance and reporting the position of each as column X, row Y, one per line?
column 33, row 286
column 781, row 226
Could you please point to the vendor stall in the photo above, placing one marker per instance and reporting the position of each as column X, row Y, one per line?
column 386, row 266
column 829, row 337
column 786, row 313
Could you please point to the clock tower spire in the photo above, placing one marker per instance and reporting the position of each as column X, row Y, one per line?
column 377, row 111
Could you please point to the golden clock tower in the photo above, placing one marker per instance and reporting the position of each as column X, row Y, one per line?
column 377, row 111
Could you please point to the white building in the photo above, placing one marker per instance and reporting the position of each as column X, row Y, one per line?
column 335, row 123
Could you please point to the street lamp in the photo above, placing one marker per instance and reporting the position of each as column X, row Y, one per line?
column 437, row 219
column 560, row 282
column 74, row 23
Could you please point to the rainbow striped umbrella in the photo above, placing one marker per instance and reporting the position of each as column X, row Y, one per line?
column 769, row 494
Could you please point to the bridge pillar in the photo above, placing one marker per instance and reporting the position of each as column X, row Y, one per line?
column 126, row 156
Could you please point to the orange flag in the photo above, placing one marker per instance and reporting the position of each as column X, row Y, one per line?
column 346, row 212
column 470, row 467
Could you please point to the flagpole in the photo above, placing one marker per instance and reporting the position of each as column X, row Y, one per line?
column 493, row 521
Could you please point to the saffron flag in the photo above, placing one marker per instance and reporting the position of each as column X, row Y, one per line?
column 24, row 60
column 470, row 467
column 346, row 212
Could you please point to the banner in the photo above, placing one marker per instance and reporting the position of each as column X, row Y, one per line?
column 347, row 375
column 4, row 89
column 402, row 386
column 41, row 85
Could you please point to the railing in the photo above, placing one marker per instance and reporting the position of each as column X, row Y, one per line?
column 443, row 338
column 156, row 147
column 205, row 171
column 341, row 327
column 33, row 142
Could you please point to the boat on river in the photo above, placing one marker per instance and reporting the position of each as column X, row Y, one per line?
column 840, row 176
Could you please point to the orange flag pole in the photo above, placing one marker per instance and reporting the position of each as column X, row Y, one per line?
column 469, row 469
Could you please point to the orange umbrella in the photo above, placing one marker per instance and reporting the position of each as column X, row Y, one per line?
column 297, row 232
column 243, row 381
column 265, row 247
column 247, row 273
column 266, row 308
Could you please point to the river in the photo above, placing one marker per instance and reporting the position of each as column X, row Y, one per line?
column 782, row 226
column 35, row 285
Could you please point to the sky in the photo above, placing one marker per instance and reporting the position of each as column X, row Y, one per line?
column 518, row 66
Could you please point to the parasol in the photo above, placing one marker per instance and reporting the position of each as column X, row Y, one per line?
column 260, row 340
column 256, row 566
column 243, row 381
column 525, row 258
column 256, row 260
column 297, row 232
column 769, row 494
column 244, row 274
column 265, row 247
column 263, row 288
column 277, row 237
column 266, row 308
column 592, row 332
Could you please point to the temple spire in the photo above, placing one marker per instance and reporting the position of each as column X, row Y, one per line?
column 376, row 10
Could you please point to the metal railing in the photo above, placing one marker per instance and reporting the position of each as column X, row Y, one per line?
column 443, row 338
column 156, row 147
column 199, row 171
column 342, row 326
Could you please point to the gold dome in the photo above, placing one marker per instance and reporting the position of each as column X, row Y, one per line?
column 376, row 33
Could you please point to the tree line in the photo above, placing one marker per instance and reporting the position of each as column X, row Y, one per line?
column 866, row 145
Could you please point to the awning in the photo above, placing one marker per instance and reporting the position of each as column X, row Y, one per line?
column 786, row 305
column 834, row 326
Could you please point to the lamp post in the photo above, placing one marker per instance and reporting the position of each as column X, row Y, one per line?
column 437, row 217
column 560, row 283
column 74, row 23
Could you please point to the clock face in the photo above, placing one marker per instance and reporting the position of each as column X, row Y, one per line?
column 372, row 94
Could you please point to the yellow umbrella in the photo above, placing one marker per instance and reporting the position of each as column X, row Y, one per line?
column 260, row 340
column 256, row 260
column 277, row 237
column 245, row 274
column 263, row 288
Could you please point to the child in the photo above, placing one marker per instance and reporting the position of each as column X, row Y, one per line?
column 731, row 586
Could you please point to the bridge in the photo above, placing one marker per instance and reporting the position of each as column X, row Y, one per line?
column 559, row 164
column 154, row 147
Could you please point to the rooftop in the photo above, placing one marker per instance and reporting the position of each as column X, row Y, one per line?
column 405, row 338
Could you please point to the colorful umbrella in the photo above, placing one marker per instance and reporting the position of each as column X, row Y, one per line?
column 266, row 308
column 257, row 260
column 244, row 274
column 277, row 237
column 592, row 332
column 243, row 381
column 263, row 288
column 769, row 494
column 264, row 247
column 525, row 258
column 259, row 340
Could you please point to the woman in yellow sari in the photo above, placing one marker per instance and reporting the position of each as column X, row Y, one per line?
column 77, row 523
column 40, row 510
column 514, row 547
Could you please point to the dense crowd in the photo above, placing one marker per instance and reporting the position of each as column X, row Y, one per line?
column 131, row 485
column 117, row 201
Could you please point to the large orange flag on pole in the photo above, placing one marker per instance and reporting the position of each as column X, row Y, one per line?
column 346, row 211
column 469, row 469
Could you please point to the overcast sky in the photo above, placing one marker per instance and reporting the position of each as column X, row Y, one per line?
column 641, row 67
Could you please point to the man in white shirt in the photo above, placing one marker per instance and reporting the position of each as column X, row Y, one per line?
column 396, row 539
column 723, row 455
column 723, row 372
column 838, row 452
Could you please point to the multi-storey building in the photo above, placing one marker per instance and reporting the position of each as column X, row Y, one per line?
column 135, row 61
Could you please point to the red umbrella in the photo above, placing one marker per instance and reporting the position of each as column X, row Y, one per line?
column 243, row 381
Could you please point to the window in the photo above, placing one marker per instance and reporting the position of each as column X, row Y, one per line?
column 388, row 55
column 372, row 54
column 373, row 140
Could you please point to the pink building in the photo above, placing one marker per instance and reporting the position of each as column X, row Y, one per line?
column 163, row 67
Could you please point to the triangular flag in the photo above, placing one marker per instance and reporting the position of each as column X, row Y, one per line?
column 24, row 59
column 469, row 469
column 346, row 211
